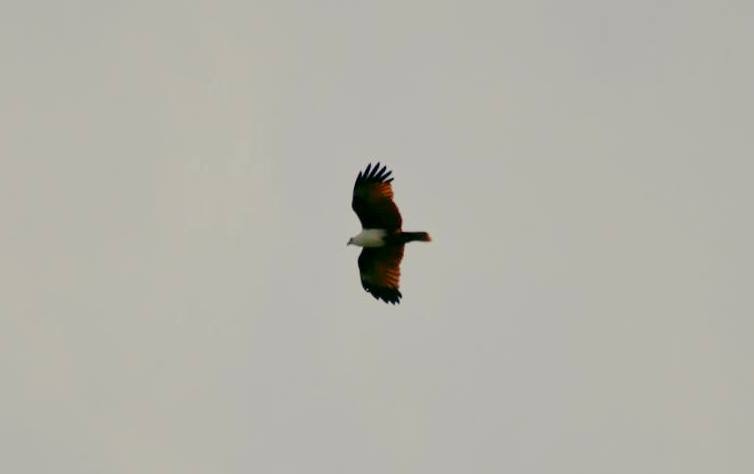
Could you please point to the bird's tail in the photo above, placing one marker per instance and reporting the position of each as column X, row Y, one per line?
column 415, row 236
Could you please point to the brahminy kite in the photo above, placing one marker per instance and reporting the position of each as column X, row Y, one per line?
column 381, row 236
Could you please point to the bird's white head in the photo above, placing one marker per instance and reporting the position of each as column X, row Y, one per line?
column 368, row 238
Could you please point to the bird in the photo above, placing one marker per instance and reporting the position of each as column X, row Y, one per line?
column 381, row 237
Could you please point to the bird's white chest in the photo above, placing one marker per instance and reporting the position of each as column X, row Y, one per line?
column 370, row 238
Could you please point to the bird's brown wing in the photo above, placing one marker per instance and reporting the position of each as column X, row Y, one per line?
column 380, row 272
column 373, row 199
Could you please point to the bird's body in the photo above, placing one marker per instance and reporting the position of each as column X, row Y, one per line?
column 381, row 237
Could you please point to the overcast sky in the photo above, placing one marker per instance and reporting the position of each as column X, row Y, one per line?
column 177, row 296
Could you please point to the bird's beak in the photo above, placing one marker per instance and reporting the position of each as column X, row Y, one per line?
column 348, row 243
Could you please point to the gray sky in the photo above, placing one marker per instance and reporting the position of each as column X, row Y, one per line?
column 175, row 184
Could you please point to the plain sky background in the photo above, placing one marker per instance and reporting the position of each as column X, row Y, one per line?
column 177, row 297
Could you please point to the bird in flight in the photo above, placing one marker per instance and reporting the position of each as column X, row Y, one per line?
column 381, row 236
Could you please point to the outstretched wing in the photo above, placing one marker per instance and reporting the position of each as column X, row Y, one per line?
column 380, row 272
column 373, row 199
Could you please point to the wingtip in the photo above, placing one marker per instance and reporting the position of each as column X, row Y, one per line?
column 388, row 297
column 376, row 172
